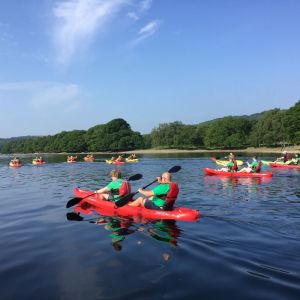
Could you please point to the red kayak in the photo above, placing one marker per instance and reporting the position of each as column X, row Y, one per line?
column 213, row 172
column 118, row 162
column 282, row 165
column 96, row 202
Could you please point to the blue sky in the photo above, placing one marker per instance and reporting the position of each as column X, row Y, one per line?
column 74, row 64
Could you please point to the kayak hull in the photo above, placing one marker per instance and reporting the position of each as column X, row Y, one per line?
column 114, row 162
column 225, row 162
column 212, row 172
column 96, row 202
column 14, row 165
column 282, row 165
column 34, row 162
column 132, row 160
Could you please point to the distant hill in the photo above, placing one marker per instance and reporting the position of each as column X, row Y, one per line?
column 253, row 117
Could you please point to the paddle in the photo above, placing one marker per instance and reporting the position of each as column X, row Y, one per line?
column 72, row 216
column 76, row 200
column 123, row 201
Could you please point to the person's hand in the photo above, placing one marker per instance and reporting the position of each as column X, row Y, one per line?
column 158, row 179
column 140, row 190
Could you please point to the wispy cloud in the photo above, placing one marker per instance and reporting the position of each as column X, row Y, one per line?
column 142, row 7
column 77, row 21
column 42, row 96
column 145, row 5
column 133, row 15
column 150, row 28
column 146, row 32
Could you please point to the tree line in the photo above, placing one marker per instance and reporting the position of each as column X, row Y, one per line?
column 272, row 128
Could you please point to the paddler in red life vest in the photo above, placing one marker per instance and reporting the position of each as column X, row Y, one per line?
column 231, row 166
column 254, row 167
column 286, row 156
column 116, row 189
column 162, row 197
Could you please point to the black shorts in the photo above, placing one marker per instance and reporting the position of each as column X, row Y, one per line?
column 150, row 205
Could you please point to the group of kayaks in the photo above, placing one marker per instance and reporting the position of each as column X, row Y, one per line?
column 17, row 163
column 272, row 164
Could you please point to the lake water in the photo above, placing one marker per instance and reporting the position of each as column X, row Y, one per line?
column 246, row 244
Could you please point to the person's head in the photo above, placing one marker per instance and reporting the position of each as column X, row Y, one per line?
column 166, row 177
column 115, row 174
column 254, row 157
column 284, row 152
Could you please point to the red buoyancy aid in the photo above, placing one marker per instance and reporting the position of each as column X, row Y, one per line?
column 258, row 167
column 124, row 188
column 234, row 167
column 171, row 196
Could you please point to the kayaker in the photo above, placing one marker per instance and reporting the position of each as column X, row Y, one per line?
column 72, row 158
column 120, row 158
column 117, row 188
column 295, row 160
column 285, row 157
column 254, row 167
column 162, row 197
column 231, row 166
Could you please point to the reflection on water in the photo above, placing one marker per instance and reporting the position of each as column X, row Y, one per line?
column 166, row 231
column 252, row 185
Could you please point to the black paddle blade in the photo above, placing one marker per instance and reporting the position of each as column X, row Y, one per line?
column 73, row 202
column 123, row 201
column 174, row 169
column 74, row 217
column 135, row 177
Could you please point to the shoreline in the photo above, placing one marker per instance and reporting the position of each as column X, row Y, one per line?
column 293, row 149
column 247, row 150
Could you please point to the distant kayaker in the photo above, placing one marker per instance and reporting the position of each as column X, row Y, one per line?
column 295, row 160
column 162, row 197
column 72, row 158
column 117, row 188
column 254, row 167
column 120, row 158
column 285, row 157
column 231, row 166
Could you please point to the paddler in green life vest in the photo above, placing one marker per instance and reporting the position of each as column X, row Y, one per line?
column 111, row 192
column 295, row 160
column 162, row 197
column 254, row 167
column 231, row 166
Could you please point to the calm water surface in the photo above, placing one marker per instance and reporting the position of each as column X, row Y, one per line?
column 246, row 245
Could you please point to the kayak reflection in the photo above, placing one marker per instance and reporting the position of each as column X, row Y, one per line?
column 166, row 231
column 235, row 182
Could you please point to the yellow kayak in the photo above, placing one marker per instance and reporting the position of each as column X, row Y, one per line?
column 225, row 162
column 132, row 160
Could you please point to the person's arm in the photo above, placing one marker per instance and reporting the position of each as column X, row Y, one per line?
column 103, row 190
column 145, row 192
